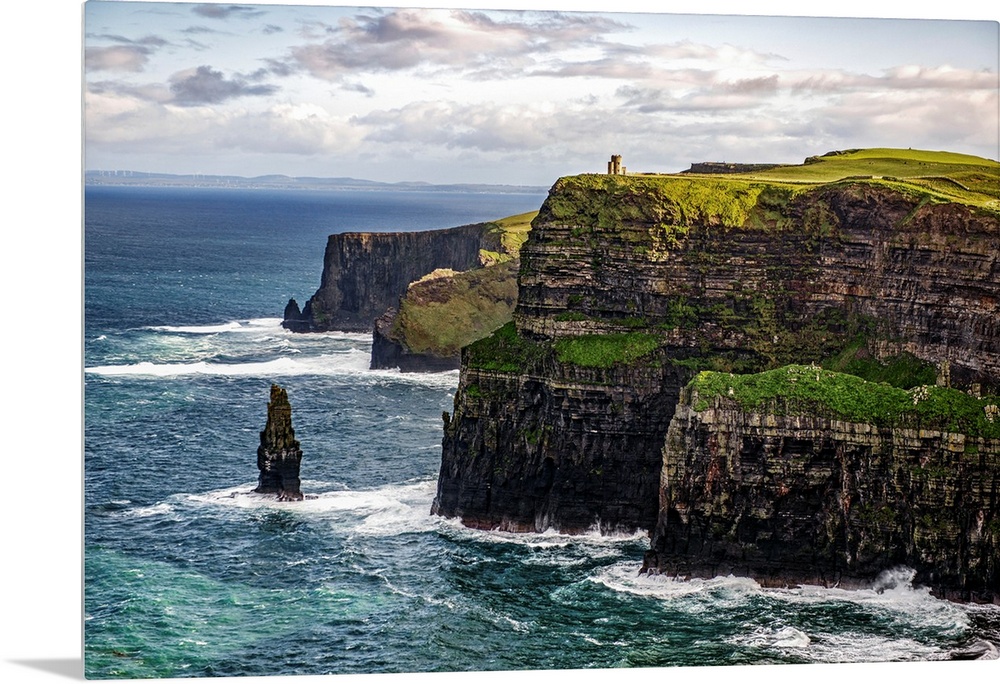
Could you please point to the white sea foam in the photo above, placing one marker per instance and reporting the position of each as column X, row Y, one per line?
column 689, row 596
column 894, row 597
column 549, row 539
column 842, row 647
column 782, row 638
column 198, row 329
column 161, row 508
column 352, row 362
column 381, row 511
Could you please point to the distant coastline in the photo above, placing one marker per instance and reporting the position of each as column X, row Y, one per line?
column 275, row 182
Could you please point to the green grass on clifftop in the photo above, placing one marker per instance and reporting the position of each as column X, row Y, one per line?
column 514, row 231
column 948, row 175
column 810, row 389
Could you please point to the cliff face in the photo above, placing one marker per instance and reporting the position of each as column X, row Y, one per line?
column 693, row 273
column 790, row 493
column 366, row 273
column 756, row 270
column 536, row 443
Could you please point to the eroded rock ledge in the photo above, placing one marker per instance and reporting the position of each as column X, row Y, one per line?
column 792, row 493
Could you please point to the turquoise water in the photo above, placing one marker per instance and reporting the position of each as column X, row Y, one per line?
column 188, row 573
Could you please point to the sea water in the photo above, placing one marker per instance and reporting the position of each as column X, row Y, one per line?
column 189, row 573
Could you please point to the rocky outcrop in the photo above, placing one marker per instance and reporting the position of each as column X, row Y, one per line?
column 441, row 313
column 366, row 273
column 566, row 429
column 390, row 352
column 292, row 318
column 792, row 493
column 279, row 455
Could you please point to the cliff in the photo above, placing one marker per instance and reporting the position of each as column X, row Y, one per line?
column 800, row 475
column 540, row 441
column 630, row 285
column 425, row 295
column 446, row 310
column 366, row 273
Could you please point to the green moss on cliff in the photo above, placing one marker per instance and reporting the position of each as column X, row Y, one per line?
column 904, row 371
column 513, row 231
column 668, row 204
column 811, row 389
column 441, row 315
column 509, row 352
column 604, row 351
column 505, row 351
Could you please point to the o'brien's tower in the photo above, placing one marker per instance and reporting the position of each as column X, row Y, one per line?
column 615, row 167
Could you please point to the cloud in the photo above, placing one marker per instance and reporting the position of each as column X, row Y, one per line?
column 194, row 30
column 907, row 77
column 271, row 28
column 116, row 58
column 911, row 118
column 148, row 41
column 153, row 92
column 468, row 41
column 127, row 55
column 358, row 88
column 225, row 11
column 120, row 120
column 205, row 85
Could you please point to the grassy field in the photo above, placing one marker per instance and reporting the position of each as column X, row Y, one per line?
column 514, row 231
column 948, row 175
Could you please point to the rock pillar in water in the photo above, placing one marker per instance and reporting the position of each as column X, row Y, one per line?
column 279, row 455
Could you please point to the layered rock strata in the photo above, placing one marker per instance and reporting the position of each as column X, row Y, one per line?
column 279, row 455
column 725, row 274
column 789, row 494
column 754, row 268
column 556, row 445
column 366, row 273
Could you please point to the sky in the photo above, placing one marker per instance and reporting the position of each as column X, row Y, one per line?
column 517, row 97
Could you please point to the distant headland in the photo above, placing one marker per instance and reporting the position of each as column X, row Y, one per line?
column 279, row 182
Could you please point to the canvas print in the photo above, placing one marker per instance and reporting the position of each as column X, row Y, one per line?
column 435, row 340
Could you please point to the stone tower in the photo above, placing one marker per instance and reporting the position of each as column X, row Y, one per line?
column 615, row 167
column 279, row 455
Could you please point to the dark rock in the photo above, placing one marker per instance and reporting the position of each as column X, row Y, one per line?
column 293, row 319
column 366, row 273
column 789, row 496
column 279, row 455
column 556, row 445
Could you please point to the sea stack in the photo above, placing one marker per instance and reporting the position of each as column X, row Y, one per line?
column 279, row 455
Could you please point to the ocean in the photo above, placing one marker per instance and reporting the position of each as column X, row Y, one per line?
column 188, row 573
